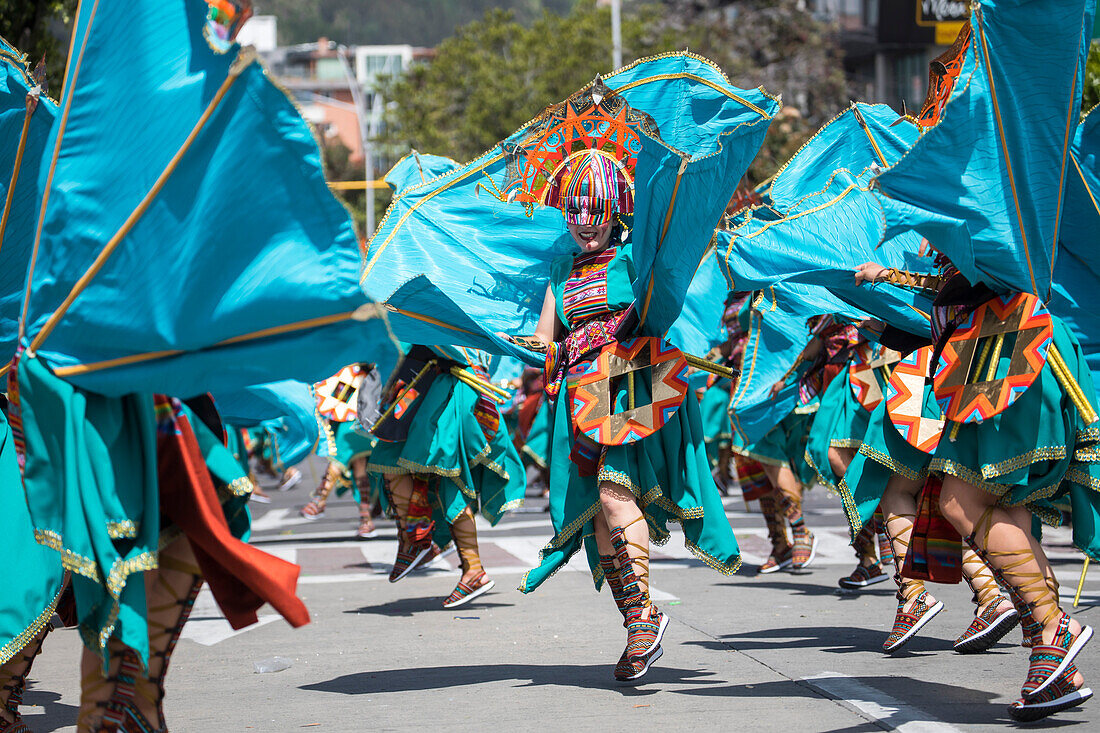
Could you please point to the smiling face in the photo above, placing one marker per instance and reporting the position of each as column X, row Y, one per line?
column 591, row 237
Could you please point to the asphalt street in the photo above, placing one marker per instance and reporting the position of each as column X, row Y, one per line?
column 779, row 652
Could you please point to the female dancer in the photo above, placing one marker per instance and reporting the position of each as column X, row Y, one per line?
column 616, row 499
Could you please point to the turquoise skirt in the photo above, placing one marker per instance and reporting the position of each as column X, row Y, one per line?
column 784, row 445
column 447, row 441
column 32, row 581
column 840, row 422
column 667, row 472
column 537, row 447
column 714, row 412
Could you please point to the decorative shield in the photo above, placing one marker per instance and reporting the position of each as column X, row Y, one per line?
column 905, row 393
column 410, row 381
column 973, row 382
column 627, row 372
column 869, row 371
column 336, row 396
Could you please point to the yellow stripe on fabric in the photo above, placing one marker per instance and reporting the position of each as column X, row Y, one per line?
column 15, row 171
column 243, row 60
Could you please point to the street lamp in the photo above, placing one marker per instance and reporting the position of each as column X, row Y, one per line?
column 616, row 35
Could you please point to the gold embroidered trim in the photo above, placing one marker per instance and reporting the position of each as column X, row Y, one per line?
column 855, row 524
column 853, row 443
column 23, row 638
column 535, row 457
column 817, row 472
column 242, row 486
column 1087, row 455
column 887, row 460
column 1051, row 453
column 958, row 470
column 126, row 529
column 1083, row 478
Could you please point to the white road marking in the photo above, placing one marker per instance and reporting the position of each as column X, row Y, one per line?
column 277, row 518
column 207, row 625
column 878, row 705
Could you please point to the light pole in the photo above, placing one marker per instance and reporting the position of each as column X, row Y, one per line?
column 616, row 35
column 364, row 133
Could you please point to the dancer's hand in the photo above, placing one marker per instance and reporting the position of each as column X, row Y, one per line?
column 870, row 272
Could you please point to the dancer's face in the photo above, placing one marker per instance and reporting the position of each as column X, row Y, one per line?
column 591, row 237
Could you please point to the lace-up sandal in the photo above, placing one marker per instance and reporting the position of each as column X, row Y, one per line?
column 410, row 555
column 908, row 623
column 805, row 548
column 885, row 549
column 113, row 703
column 466, row 592
column 777, row 562
column 1050, row 661
column 863, row 576
column 1032, row 629
column 1060, row 695
column 988, row 627
column 366, row 530
column 14, row 673
column 644, row 631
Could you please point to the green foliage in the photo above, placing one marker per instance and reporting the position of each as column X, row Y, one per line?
column 40, row 29
column 493, row 76
column 420, row 23
column 1092, row 78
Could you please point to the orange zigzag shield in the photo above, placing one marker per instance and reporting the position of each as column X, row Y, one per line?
column 594, row 118
column 943, row 72
column 905, row 394
column 869, row 371
column 973, row 383
column 337, row 395
column 597, row 387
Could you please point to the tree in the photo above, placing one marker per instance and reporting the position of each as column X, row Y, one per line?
column 494, row 75
column 40, row 29
column 1092, row 78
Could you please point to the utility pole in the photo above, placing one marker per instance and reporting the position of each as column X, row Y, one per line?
column 616, row 34
column 365, row 129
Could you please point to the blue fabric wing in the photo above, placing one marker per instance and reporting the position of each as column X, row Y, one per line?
column 287, row 410
column 416, row 169
column 241, row 269
column 1077, row 267
column 698, row 329
column 490, row 259
column 22, row 216
column 984, row 184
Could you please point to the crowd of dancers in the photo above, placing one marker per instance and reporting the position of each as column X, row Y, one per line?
column 601, row 310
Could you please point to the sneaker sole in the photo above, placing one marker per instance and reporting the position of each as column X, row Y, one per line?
column 291, row 483
column 480, row 591
column 781, row 566
column 367, row 535
column 845, row 583
column 984, row 639
column 1074, row 650
column 932, row 613
column 658, row 652
column 1036, row 711
column 310, row 517
column 412, row 565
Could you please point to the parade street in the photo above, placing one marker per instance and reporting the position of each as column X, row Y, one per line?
column 779, row 652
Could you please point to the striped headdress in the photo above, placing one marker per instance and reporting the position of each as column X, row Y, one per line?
column 591, row 189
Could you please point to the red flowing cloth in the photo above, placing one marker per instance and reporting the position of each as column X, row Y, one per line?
column 241, row 577
column 935, row 548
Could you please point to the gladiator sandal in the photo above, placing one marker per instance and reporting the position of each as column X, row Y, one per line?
column 1060, row 695
column 805, row 543
column 868, row 571
column 644, row 632
column 994, row 616
column 417, row 544
column 315, row 509
column 129, row 699
column 1032, row 631
column 1048, row 661
column 14, row 673
column 899, row 528
column 885, row 549
column 464, row 531
column 782, row 551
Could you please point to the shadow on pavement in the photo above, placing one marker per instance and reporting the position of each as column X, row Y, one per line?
column 54, row 715
column 410, row 606
column 525, row 675
column 796, row 588
column 838, row 640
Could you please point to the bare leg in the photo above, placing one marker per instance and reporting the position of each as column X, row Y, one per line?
column 464, row 531
column 839, row 460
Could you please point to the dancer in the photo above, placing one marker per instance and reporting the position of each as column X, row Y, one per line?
column 443, row 455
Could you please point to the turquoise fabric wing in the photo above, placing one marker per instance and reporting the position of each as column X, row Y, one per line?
column 490, row 259
column 984, row 184
column 1077, row 267
column 698, row 329
column 287, row 410
column 241, row 268
column 21, row 218
column 416, row 169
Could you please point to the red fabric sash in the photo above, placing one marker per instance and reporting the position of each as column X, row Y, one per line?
column 241, row 577
column 935, row 547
